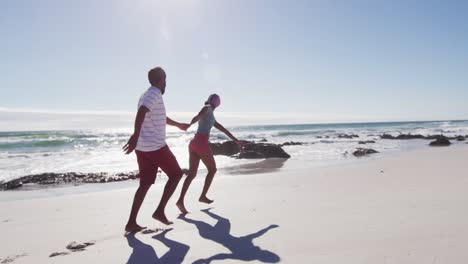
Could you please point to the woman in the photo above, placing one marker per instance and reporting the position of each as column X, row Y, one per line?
column 199, row 149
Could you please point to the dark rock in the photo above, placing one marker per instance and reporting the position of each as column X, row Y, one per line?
column 227, row 148
column 267, row 150
column 460, row 138
column 263, row 140
column 319, row 137
column 387, row 136
column 12, row 185
column 292, row 143
column 350, row 136
column 250, row 155
column 410, row 136
column 402, row 136
column 366, row 142
column 53, row 179
column 363, row 152
column 440, row 141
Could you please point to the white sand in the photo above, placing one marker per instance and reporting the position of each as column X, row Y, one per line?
column 412, row 212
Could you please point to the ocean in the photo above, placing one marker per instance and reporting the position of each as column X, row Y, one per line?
column 91, row 151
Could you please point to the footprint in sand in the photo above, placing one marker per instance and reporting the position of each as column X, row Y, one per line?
column 10, row 259
column 151, row 231
column 73, row 247
column 55, row 254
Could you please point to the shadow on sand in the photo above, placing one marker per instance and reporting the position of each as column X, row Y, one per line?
column 144, row 253
column 242, row 248
column 264, row 166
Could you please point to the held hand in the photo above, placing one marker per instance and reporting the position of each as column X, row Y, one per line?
column 131, row 145
column 184, row 126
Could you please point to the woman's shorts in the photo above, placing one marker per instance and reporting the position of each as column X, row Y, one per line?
column 200, row 145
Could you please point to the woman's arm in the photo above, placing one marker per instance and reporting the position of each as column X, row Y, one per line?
column 199, row 115
column 225, row 131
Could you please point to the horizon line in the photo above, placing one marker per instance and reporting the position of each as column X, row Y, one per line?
column 319, row 119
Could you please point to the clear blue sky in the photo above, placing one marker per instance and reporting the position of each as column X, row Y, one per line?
column 400, row 59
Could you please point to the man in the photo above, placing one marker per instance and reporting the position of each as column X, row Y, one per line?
column 149, row 143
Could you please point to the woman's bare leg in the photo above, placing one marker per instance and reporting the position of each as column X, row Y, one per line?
column 194, row 162
column 210, row 164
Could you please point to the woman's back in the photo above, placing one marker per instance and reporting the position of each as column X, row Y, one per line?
column 207, row 121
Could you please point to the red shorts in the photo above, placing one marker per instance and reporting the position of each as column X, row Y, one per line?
column 149, row 162
column 200, row 145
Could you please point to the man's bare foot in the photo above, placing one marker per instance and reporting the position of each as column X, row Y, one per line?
column 181, row 207
column 161, row 217
column 134, row 228
column 205, row 199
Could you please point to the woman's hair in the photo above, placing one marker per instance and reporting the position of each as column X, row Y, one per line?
column 214, row 100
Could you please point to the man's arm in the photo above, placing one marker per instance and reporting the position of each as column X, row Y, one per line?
column 132, row 142
column 181, row 126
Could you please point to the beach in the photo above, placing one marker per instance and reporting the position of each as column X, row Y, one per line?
column 320, row 132
column 407, row 207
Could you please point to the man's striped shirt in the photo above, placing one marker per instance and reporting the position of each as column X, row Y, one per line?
column 153, row 131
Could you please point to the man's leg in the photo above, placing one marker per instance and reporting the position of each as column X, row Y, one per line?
column 147, row 171
column 140, row 194
column 168, row 163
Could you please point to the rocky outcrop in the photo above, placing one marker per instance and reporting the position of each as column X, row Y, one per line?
column 403, row 136
column 366, row 142
column 419, row 136
column 251, row 150
column 66, row 178
column 440, row 141
column 250, row 155
column 348, row 136
column 292, row 143
column 227, row 148
column 363, row 152
column 263, row 150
